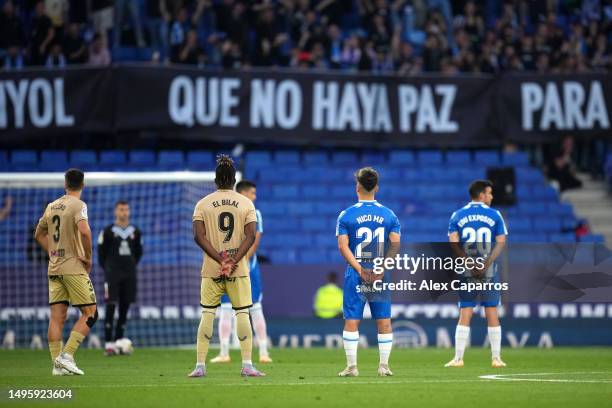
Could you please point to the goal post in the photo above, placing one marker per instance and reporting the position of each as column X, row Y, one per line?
column 161, row 206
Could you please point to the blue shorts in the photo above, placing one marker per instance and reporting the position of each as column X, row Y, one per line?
column 485, row 298
column 256, row 294
column 354, row 302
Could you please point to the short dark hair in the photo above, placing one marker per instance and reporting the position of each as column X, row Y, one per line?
column 74, row 179
column 367, row 177
column 225, row 172
column 245, row 185
column 121, row 202
column 479, row 186
column 332, row 277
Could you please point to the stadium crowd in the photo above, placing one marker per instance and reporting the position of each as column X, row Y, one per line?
column 404, row 36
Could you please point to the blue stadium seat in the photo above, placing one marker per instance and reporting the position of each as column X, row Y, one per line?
column 142, row 159
column 258, row 159
column 593, row 238
column 532, row 237
column 4, row 158
column 487, row 158
column 373, row 158
column 458, row 157
column 345, row 159
column 515, row 159
column 171, row 159
column 529, row 175
column 287, row 157
column 402, row 157
column 519, row 225
column 200, row 160
column 315, row 223
column 312, row 256
column 567, row 237
column 561, row 209
column 283, row 256
column 285, row 191
column 24, row 157
column 300, row 208
column 544, row 193
column 315, row 191
column 315, row 158
column 112, row 158
column 548, row 225
column 53, row 160
column 430, row 157
column 83, row 158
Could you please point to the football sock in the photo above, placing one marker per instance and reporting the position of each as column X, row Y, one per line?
column 259, row 326
column 462, row 335
column 385, row 343
column 351, row 341
column 245, row 334
column 225, row 330
column 495, row 340
column 205, row 332
column 73, row 343
column 108, row 322
column 55, row 348
column 123, row 312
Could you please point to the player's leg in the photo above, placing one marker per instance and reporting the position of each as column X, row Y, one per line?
column 462, row 333
column 81, row 293
column 58, row 312
column 58, row 305
column 261, row 332
column 225, row 330
column 127, row 295
column 495, row 336
column 109, row 318
column 381, row 311
column 257, row 316
column 239, row 292
column 353, row 306
column 111, row 292
column 211, row 291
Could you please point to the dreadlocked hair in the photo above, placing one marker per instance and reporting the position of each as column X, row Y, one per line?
column 225, row 173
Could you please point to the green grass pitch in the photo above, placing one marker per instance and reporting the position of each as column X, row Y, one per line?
column 561, row 377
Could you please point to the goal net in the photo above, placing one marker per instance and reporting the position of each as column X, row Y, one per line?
column 161, row 205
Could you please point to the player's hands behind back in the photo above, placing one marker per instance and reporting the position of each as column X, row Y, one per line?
column 368, row 275
column 86, row 263
column 228, row 265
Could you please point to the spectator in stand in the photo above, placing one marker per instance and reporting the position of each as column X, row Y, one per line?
column 132, row 6
column 56, row 58
column 13, row 60
column 158, row 18
column 11, row 28
column 178, row 29
column 42, row 35
column 404, row 36
column 190, row 51
column 560, row 165
column 98, row 51
column 74, row 47
column 102, row 15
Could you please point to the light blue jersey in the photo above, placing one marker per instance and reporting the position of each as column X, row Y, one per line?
column 367, row 225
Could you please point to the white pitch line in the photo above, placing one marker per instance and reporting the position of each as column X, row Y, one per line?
column 204, row 382
column 504, row 377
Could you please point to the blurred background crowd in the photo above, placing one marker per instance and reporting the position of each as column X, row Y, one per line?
column 408, row 37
